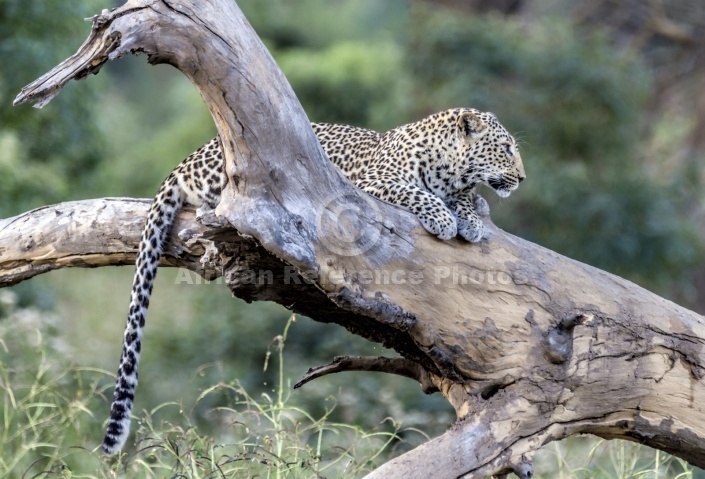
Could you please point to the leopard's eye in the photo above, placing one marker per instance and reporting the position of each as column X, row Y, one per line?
column 509, row 150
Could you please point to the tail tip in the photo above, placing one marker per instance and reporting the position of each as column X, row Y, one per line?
column 113, row 444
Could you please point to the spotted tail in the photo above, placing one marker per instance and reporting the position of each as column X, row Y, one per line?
column 164, row 209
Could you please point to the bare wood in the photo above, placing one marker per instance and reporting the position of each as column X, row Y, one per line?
column 87, row 234
column 527, row 345
column 399, row 366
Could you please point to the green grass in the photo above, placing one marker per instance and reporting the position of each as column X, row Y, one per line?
column 592, row 458
column 52, row 419
column 48, row 429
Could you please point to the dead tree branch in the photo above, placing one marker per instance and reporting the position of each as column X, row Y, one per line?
column 94, row 233
column 399, row 366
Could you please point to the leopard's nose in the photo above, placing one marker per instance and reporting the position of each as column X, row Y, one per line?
column 522, row 178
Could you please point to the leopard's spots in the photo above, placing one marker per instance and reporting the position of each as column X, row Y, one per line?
column 431, row 167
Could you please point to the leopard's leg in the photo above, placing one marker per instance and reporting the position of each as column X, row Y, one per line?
column 470, row 225
column 428, row 208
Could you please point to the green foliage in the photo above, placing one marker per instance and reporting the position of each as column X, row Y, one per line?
column 46, row 419
column 48, row 151
column 587, row 458
column 324, row 51
column 313, row 24
column 570, row 93
column 624, row 227
column 173, row 122
column 579, row 105
column 45, row 407
column 344, row 83
column 197, row 335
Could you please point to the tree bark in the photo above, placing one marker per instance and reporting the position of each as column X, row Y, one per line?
column 527, row 345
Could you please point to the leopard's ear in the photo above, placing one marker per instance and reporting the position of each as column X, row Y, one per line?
column 471, row 126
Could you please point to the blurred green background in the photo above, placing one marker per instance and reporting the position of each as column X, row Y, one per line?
column 607, row 98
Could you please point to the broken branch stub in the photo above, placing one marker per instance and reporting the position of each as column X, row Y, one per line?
column 494, row 324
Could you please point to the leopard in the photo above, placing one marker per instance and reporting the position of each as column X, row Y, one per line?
column 431, row 167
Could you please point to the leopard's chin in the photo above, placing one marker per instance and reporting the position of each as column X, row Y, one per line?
column 501, row 186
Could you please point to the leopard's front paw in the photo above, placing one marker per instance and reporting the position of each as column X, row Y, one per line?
column 441, row 224
column 472, row 230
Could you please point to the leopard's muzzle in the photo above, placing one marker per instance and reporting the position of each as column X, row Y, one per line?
column 503, row 186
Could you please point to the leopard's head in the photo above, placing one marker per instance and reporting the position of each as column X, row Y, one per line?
column 487, row 153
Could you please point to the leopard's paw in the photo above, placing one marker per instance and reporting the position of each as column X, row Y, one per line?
column 441, row 224
column 472, row 231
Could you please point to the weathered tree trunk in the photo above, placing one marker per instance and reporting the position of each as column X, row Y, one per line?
column 527, row 345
